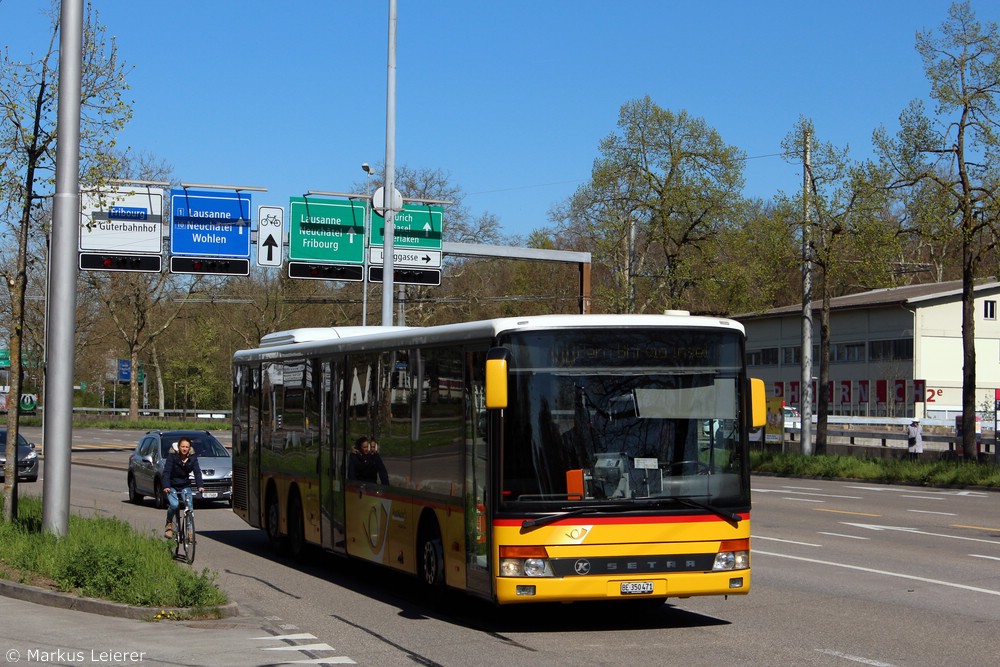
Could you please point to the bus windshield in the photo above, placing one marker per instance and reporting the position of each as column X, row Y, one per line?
column 628, row 415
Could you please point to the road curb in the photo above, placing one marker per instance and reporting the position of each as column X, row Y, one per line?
column 103, row 607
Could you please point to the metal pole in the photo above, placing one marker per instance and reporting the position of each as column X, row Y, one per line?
column 364, row 264
column 61, row 299
column 805, row 412
column 390, row 170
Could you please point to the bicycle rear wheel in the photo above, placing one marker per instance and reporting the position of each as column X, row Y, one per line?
column 188, row 540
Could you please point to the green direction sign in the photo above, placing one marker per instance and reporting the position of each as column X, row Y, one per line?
column 5, row 358
column 416, row 226
column 326, row 230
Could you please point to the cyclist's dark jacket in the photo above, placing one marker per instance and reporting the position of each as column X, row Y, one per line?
column 177, row 473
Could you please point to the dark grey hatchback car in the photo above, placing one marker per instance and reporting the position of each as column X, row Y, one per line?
column 145, row 466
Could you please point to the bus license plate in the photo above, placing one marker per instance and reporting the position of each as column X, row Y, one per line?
column 636, row 587
column 210, row 494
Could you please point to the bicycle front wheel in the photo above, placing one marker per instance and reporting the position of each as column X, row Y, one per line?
column 188, row 538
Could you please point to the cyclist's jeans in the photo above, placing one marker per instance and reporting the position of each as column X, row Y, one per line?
column 173, row 501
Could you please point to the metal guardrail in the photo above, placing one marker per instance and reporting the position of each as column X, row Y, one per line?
column 890, row 443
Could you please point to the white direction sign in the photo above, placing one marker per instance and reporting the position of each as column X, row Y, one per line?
column 124, row 220
column 406, row 257
column 270, row 226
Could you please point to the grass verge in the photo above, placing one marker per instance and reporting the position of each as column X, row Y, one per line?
column 103, row 558
column 897, row 471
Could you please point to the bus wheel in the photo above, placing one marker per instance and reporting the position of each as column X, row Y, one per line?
column 296, row 529
column 431, row 566
column 273, row 521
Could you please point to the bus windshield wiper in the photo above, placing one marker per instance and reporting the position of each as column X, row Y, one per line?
column 591, row 509
column 731, row 517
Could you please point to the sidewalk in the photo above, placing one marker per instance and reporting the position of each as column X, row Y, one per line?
column 31, row 633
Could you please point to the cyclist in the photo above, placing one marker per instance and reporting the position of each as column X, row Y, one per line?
column 177, row 479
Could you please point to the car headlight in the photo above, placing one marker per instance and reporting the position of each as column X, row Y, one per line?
column 30, row 456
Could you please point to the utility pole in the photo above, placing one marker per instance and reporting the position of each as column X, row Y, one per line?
column 390, row 170
column 805, row 409
column 60, row 332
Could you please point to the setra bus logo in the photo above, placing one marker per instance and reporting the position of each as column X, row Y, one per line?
column 582, row 566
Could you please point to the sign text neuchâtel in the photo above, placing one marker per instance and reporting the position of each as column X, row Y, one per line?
column 184, row 218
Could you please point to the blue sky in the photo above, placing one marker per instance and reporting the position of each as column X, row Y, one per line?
column 511, row 99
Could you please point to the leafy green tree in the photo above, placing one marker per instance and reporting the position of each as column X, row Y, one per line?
column 954, row 150
column 28, row 129
column 849, row 242
column 664, row 186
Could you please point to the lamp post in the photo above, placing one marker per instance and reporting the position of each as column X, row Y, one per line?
column 368, row 221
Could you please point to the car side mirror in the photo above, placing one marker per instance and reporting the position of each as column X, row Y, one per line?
column 147, row 458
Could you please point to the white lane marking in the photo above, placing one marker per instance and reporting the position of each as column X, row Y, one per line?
column 803, row 493
column 853, row 537
column 803, row 488
column 986, row 557
column 855, row 658
column 334, row 660
column 882, row 489
column 776, row 539
column 915, row 531
column 300, row 647
column 929, row 512
column 805, row 500
column 924, row 498
column 899, row 575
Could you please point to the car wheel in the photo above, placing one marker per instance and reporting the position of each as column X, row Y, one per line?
column 134, row 496
column 159, row 496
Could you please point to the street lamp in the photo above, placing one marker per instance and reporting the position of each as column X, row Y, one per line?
column 364, row 264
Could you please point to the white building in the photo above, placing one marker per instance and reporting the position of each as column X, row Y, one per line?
column 893, row 352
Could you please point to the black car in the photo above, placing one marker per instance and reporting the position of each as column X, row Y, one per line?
column 145, row 466
column 27, row 458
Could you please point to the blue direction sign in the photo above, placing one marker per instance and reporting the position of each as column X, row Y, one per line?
column 209, row 224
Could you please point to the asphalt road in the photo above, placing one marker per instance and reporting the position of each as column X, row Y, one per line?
column 845, row 573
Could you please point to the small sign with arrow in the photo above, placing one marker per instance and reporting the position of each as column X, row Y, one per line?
column 270, row 226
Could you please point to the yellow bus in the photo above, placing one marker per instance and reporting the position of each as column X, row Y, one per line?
column 551, row 458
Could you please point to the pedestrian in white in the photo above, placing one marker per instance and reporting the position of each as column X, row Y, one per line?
column 914, row 440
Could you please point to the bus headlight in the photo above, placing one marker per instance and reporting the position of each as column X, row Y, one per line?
column 524, row 562
column 733, row 555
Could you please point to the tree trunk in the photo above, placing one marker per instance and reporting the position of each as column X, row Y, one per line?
column 968, row 349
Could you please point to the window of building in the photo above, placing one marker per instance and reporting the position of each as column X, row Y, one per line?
column 791, row 355
column 766, row 357
column 847, row 352
column 989, row 310
column 900, row 349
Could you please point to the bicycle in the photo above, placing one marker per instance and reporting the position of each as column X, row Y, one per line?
column 184, row 533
